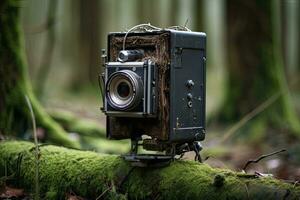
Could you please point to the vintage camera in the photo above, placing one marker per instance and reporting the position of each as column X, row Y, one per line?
column 154, row 89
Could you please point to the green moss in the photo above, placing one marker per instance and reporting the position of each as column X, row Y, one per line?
column 61, row 169
column 14, row 113
column 219, row 180
column 51, row 195
column 104, row 145
column 89, row 174
column 71, row 123
column 55, row 133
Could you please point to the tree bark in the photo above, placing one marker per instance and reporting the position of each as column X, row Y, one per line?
column 47, row 56
column 89, row 48
column 89, row 175
column 15, row 119
column 255, row 66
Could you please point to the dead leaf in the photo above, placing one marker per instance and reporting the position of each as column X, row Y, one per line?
column 9, row 192
column 73, row 197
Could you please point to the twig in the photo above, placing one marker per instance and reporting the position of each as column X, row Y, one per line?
column 120, row 185
column 250, row 115
column 104, row 192
column 151, row 27
column 216, row 160
column 261, row 157
column 247, row 190
column 136, row 27
column 255, row 112
column 37, row 188
column 5, row 168
column 186, row 22
column 296, row 183
column 206, row 158
column 126, row 178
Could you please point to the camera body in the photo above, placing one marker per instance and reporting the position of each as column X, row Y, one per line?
column 154, row 88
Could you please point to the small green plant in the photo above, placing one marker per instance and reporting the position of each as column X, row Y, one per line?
column 37, row 188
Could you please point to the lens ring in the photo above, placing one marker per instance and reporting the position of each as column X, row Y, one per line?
column 119, row 100
column 132, row 93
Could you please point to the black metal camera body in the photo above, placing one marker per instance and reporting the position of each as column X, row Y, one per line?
column 155, row 88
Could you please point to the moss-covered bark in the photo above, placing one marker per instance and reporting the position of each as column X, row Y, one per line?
column 92, row 134
column 89, row 175
column 84, row 127
column 14, row 112
column 255, row 65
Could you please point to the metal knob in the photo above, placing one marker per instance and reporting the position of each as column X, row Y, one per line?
column 190, row 83
column 189, row 96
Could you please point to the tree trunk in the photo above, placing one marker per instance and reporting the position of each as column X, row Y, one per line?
column 89, row 175
column 14, row 112
column 255, row 65
column 291, row 28
column 213, row 13
column 48, row 51
column 89, row 48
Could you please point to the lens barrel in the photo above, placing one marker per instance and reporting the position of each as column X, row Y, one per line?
column 124, row 90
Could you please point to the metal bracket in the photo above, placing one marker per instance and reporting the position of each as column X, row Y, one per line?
column 160, row 160
column 148, row 160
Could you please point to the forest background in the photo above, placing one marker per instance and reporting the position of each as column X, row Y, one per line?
column 253, row 70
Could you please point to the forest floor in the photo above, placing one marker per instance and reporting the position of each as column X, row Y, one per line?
column 232, row 154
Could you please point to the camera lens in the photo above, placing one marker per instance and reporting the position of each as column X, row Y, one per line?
column 124, row 90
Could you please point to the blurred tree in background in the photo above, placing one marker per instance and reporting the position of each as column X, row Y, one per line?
column 248, row 35
column 290, row 31
column 49, row 48
column 255, row 65
column 88, row 38
column 15, row 117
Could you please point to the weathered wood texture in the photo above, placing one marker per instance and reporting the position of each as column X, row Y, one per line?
column 89, row 175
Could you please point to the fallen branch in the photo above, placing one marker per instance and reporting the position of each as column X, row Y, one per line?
column 261, row 157
column 89, row 175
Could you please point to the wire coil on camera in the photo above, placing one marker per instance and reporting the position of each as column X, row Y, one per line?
column 148, row 27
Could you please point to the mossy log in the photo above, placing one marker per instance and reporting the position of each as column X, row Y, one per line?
column 83, row 127
column 91, row 175
column 15, row 119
